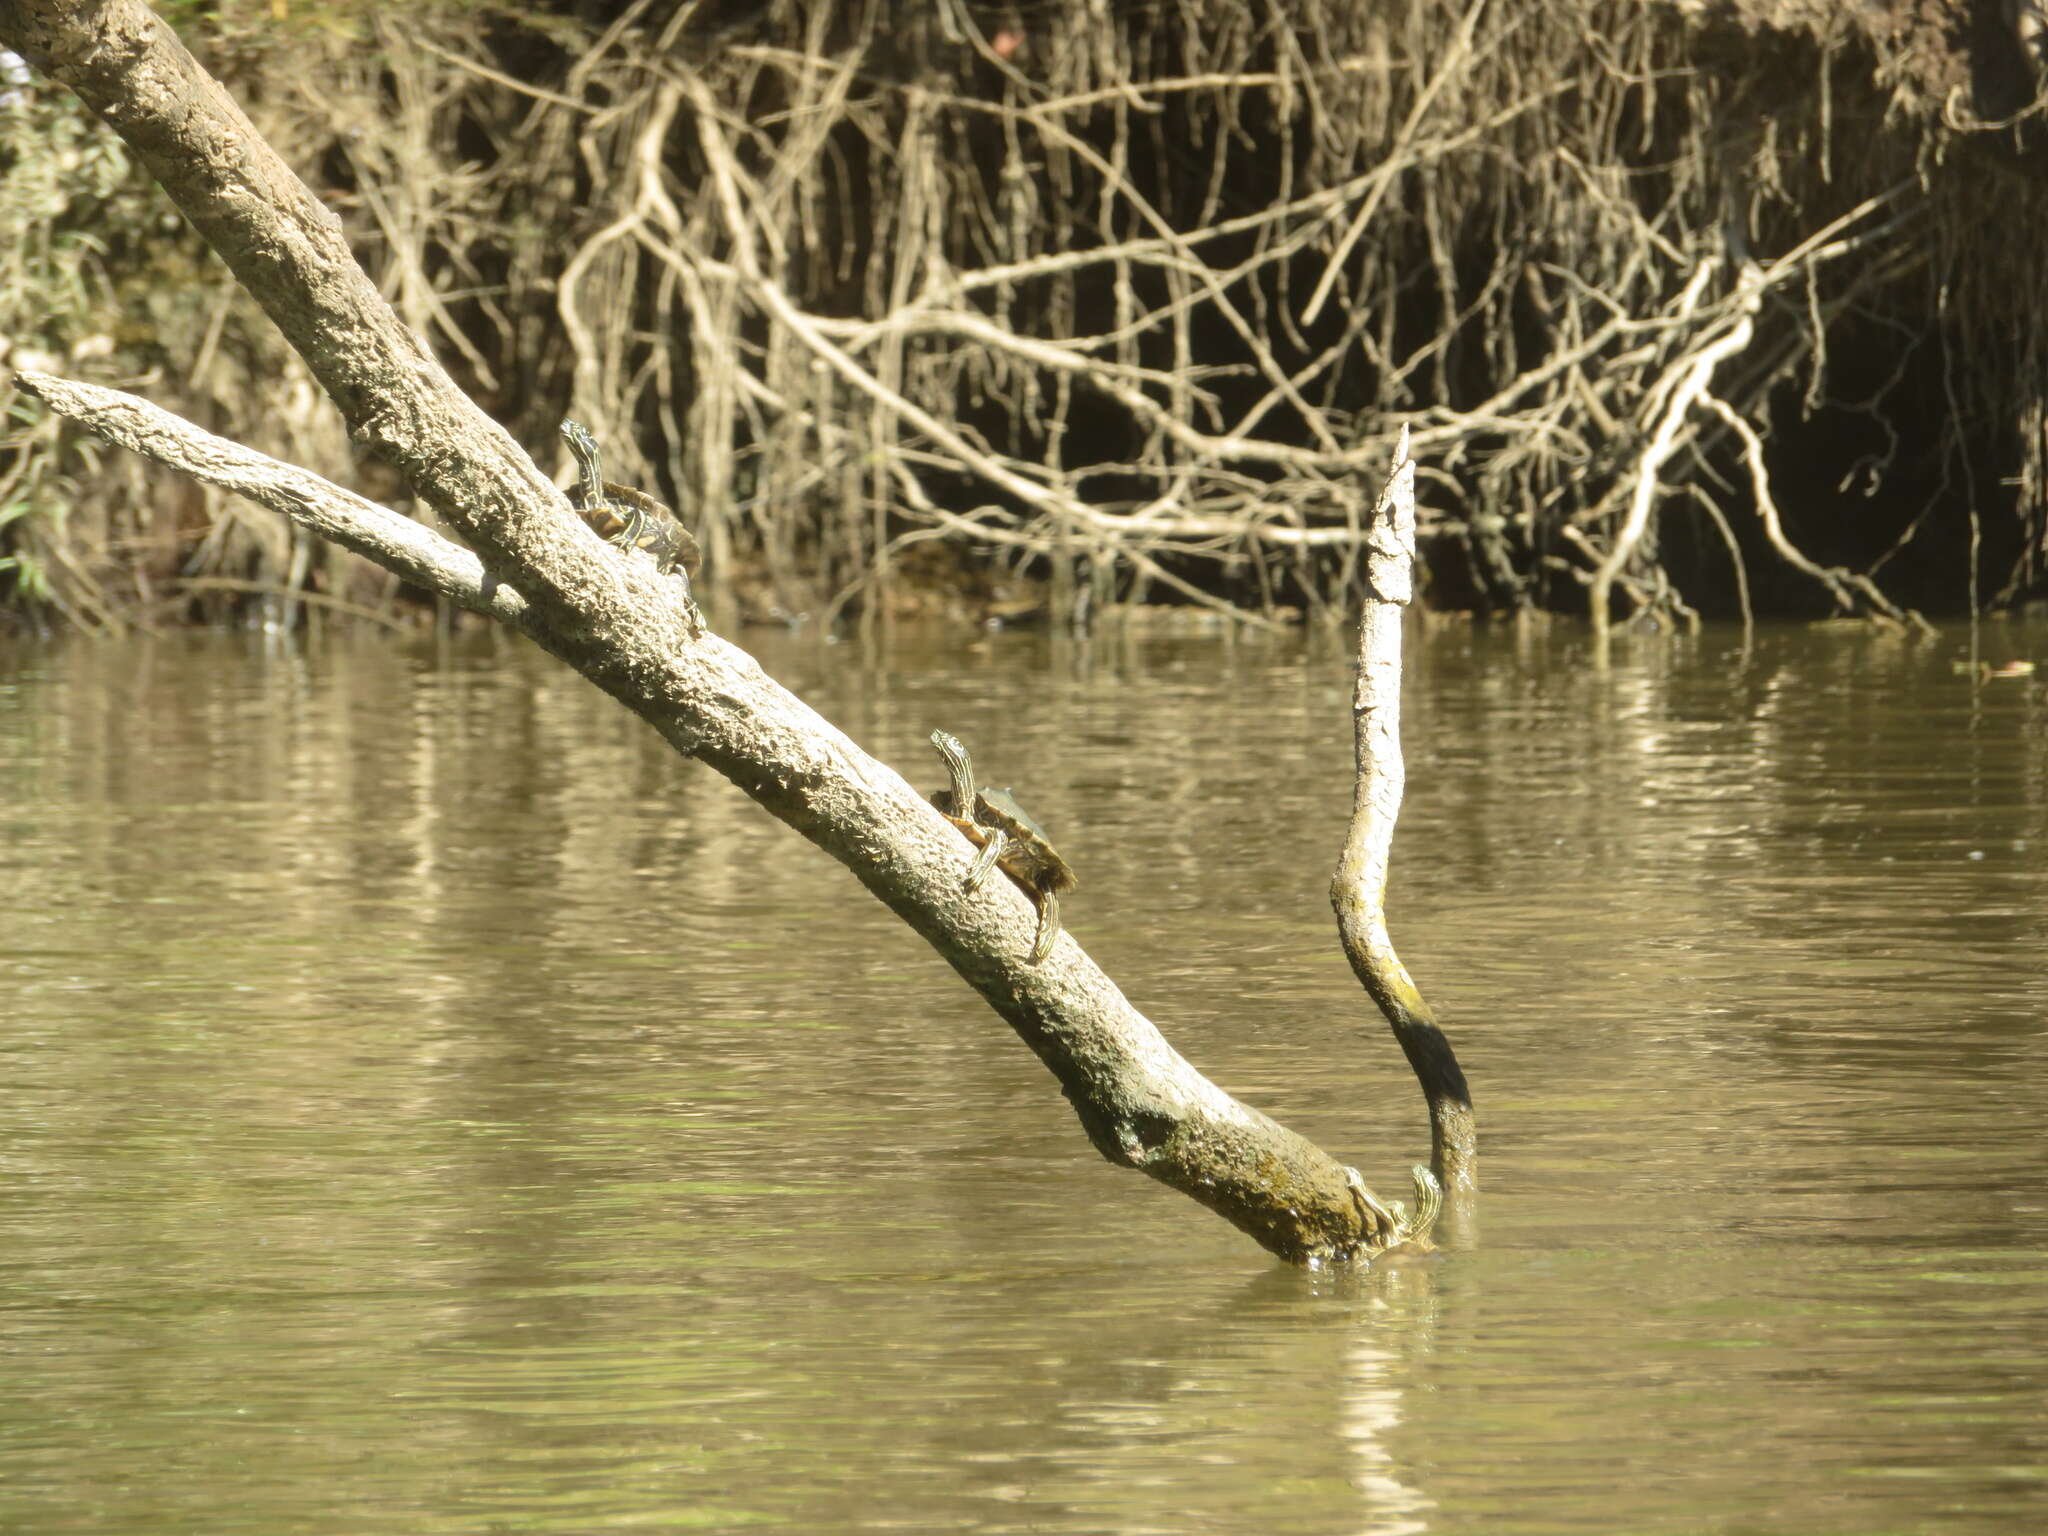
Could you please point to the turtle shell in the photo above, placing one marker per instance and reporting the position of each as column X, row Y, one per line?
column 1029, row 857
column 661, row 534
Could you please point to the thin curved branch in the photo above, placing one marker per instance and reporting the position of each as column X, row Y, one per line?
column 1358, row 890
column 1849, row 589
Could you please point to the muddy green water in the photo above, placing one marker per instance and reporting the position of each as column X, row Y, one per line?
column 427, row 1107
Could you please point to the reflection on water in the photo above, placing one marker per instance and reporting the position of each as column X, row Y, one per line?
column 430, row 1107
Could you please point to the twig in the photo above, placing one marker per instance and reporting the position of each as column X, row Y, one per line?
column 1452, row 62
column 189, row 584
column 1844, row 585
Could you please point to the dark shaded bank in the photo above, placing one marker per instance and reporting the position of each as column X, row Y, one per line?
column 1026, row 310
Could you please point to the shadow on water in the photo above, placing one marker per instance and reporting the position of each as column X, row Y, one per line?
column 430, row 1107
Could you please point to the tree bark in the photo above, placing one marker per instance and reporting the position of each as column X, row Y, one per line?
column 614, row 619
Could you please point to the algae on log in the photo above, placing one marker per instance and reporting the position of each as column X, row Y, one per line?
column 614, row 619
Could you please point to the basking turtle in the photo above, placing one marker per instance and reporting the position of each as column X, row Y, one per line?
column 626, row 517
column 1392, row 1221
column 1008, row 839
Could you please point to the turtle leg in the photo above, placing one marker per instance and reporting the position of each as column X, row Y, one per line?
column 985, row 860
column 1048, row 925
column 690, row 609
column 628, row 537
column 1381, row 1226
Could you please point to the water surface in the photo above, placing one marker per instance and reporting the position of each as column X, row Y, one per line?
column 428, row 1106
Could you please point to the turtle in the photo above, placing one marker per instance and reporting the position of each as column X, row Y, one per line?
column 628, row 518
column 1392, row 1221
column 1008, row 838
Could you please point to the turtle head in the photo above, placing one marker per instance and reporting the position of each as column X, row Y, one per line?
column 584, row 448
column 960, row 767
column 578, row 437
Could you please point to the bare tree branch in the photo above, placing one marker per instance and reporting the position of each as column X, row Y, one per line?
column 397, row 543
column 1358, row 890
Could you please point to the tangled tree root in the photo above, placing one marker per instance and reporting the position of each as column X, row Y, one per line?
column 1138, row 327
column 1133, row 298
